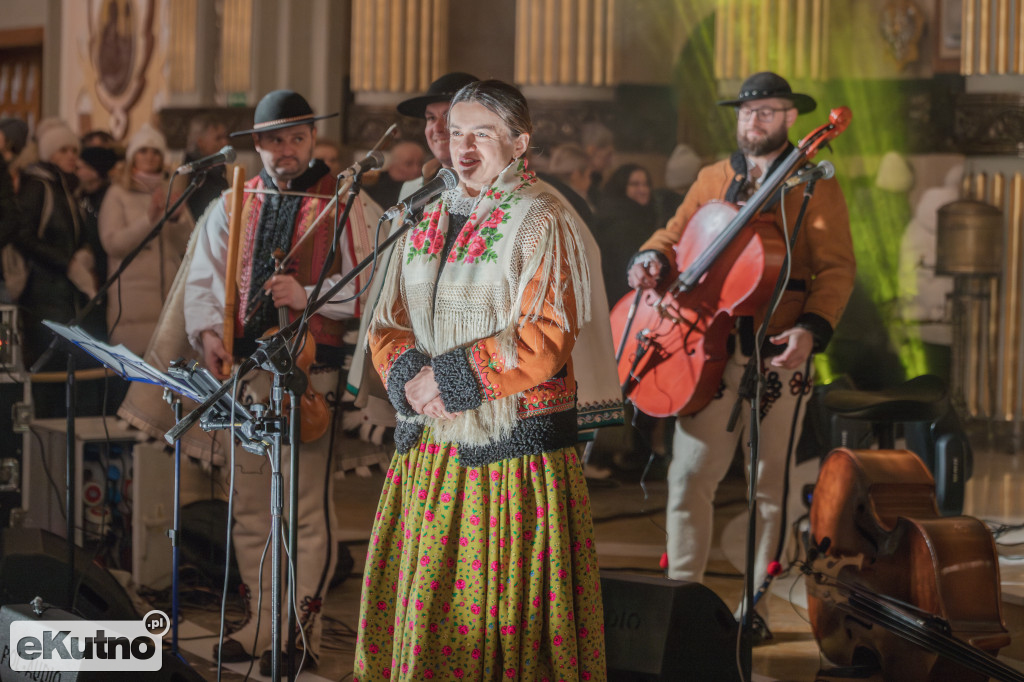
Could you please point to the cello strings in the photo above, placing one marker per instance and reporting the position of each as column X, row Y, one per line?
column 920, row 630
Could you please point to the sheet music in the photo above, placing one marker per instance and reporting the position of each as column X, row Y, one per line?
column 122, row 361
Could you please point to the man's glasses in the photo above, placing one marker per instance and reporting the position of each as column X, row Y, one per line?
column 764, row 114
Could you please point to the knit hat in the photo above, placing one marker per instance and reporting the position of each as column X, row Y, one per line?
column 146, row 136
column 52, row 136
column 894, row 173
column 101, row 159
column 16, row 133
column 681, row 168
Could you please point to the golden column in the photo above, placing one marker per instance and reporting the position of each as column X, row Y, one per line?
column 565, row 42
column 761, row 35
column 987, row 118
column 398, row 45
column 992, row 39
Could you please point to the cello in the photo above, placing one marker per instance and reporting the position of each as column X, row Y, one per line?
column 729, row 259
column 894, row 587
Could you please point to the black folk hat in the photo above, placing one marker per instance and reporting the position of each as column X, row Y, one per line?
column 441, row 90
column 766, row 84
column 281, row 109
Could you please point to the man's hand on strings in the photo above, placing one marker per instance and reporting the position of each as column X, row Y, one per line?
column 286, row 291
column 799, row 345
column 644, row 275
column 215, row 355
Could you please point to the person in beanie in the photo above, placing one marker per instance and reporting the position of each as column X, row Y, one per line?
column 129, row 212
column 57, row 245
column 822, row 278
column 280, row 205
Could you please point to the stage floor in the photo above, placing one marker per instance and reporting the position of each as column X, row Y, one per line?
column 630, row 538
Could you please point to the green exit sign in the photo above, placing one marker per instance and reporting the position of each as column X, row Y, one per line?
column 236, row 99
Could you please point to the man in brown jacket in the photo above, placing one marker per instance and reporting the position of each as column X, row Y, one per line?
column 820, row 282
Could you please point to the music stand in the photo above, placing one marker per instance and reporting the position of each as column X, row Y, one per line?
column 189, row 382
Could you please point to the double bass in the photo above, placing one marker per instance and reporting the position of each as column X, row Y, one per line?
column 894, row 587
column 672, row 343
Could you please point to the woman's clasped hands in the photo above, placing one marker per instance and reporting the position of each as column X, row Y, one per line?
column 424, row 396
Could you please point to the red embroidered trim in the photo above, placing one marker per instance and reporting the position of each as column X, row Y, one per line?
column 483, row 362
column 384, row 369
column 535, row 405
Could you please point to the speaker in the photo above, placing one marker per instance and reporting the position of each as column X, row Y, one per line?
column 33, row 562
column 171, row 669
column 661, row 629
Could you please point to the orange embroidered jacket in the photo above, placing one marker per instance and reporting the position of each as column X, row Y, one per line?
column 823, row 266
column 494, row 308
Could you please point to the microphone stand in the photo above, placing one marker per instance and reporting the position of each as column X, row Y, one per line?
column 275, row 355
column 295, row 423
column 70, row 397
column 750, row 389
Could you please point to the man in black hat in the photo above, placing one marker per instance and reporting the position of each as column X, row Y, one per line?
column 819, row 285
column 432, row 107
column 281, row 204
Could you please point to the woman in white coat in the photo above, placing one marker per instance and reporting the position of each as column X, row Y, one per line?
column 129, row 211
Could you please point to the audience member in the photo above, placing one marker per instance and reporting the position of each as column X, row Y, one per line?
column 405, row 164
column 569, row 173
column 330, row 152
column 15, row 147
column 924, row 295
column 130, row 210
column 57, row 246
column 624, row 219
column 93, row 172
column 597, row 141
column 98, row 138
column 680, row 172
column 10, row 212
column 13, row 133
column 207, row 135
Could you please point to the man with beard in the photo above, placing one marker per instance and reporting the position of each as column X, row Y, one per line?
column 820, row 283
column 280, row 206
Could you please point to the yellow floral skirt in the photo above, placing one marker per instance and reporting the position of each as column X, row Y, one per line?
column 481, row 574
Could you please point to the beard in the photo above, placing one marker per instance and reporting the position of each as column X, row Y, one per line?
column 766, row 145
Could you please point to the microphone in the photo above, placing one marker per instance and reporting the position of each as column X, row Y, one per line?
column 444, row 180
column 225, row 155
column 371, row 161
column 821, row 171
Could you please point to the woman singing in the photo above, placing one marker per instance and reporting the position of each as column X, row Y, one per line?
column 481, row 564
